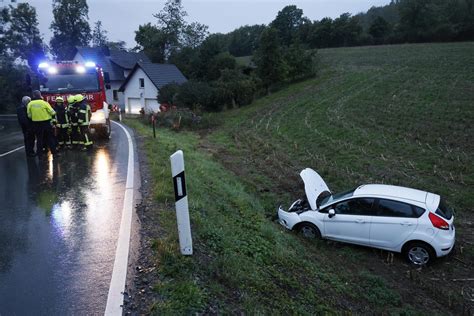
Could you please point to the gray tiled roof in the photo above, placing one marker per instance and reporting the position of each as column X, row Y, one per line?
column 115, row 63
column 159, row 74
column 126, row 59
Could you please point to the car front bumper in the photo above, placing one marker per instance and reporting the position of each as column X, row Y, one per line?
column 288, row 219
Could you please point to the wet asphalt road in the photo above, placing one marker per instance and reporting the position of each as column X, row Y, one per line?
column 59, row 222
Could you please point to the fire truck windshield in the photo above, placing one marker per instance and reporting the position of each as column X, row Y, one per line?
column 64, row 83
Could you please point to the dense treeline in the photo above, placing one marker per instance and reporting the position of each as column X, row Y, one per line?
column 400, row 21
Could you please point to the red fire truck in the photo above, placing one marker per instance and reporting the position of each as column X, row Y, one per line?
column 65, row 78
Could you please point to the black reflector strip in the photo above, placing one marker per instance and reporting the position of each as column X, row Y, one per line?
column 179, row 183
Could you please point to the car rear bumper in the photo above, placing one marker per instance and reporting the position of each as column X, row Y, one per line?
column 443, row 242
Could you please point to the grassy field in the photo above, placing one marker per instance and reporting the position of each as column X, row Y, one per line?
column 392, row 114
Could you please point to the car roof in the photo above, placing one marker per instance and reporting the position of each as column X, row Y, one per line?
column 391, row 191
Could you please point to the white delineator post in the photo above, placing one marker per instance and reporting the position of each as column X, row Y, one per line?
column 181, row 198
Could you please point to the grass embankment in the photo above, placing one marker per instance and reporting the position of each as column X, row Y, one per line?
column 396, row 114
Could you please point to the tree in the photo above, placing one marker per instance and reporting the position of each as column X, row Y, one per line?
column 170, row 22
column 23, row 36
column 99, row 35
column 287, row 23
column 194, row 34
column 271, row 66
column 4, row 18
column 300, row 62
column 170, row 34
column 346, row 30
column 322, row 34
column 119, row 45
column 379, row 29
column 153, row 41
column 70, row 27
column 244, row 40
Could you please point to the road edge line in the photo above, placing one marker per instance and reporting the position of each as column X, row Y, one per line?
column 11, row 151
column 119, row 274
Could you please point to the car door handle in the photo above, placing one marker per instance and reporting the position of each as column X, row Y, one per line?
column 406, row 224
column 360, row 221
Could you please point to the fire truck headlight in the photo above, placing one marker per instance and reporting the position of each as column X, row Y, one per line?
column 80, row 69
column 98, row 117
column 53, row 70
column 43, row 65
column 90, row 64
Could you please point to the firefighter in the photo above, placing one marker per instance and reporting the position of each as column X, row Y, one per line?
column 26, row 126
column 61, row 121
column 41, row 113
column 83, row 118
column 72, row 112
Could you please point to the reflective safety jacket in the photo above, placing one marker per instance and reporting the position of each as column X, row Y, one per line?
column 73, row 111
column 84, row 114
column 61, row 119
column 40, row 110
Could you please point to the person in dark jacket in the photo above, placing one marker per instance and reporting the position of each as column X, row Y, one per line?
column 26, row 126
column 61, row 122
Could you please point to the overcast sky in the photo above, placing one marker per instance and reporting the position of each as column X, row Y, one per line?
column 121, row 18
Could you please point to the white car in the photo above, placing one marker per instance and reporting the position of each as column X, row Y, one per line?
column 415, row 223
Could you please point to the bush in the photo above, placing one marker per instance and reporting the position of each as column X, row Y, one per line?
column 236, row 89
column 168, row 93
column 199, row 96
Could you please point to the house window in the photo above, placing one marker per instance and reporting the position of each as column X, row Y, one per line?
column 142, row 83
column 115, row 92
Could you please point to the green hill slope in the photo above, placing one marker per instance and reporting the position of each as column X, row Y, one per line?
column 391, row 114
column 396, row 114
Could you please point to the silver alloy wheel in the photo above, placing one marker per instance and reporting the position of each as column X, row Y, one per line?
column 308, row 232
column 419, row 255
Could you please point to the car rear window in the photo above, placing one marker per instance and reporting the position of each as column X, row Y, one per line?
column 444, row 210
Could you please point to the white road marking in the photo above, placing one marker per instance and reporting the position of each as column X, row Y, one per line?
column 11, row 151
column 119, row 273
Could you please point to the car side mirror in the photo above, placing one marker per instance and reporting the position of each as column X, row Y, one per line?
column 332, row 213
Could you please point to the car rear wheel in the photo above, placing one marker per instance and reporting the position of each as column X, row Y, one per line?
column 419, row 253
column 309, row 231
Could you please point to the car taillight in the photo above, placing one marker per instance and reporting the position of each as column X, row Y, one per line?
column 438, row 222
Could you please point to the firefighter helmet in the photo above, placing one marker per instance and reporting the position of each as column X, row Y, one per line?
column 59, row 99
column 78, row 98
column 71, row 99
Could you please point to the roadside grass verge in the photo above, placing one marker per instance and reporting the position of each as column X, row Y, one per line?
column 243, row 261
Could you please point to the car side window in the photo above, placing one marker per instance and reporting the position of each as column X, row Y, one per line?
column 395, row 209
column 362, row 206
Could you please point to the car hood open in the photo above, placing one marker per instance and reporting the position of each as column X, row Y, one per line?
column 314, row 186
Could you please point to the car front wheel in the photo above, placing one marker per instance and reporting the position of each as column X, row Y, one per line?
column 419, row 254
column 309, row 231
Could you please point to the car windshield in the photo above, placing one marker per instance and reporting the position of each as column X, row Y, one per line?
column 337, row 196
column 444, row 210
column 64, row 83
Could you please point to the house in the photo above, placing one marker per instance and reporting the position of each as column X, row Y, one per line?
column 116, row 64
column 142, row 85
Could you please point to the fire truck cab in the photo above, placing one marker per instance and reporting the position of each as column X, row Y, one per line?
column 65, row 78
